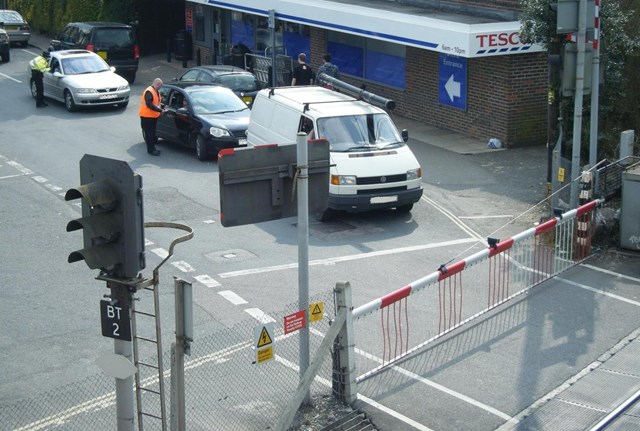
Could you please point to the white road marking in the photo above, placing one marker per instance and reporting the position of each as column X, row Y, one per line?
column 183, row 266
column 232, row 297
column 485, row 216
column 591, row 289
column 393, row 413
column 12, row 176
column 615, row 274
column 207, row 280
column 453, row 218
column 39, row 179
column 259, row 315
column 19, row 167
column 161, row 252
column 334, row 260
column 53, row 188
column 147, row 242
column 209, row 221
column 13, row 79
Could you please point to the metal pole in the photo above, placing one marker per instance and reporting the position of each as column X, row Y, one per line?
column 181, row 289
column 272, row 30
column 303, row 247
column 124, row 387
column 577, row 107
column 595, row 89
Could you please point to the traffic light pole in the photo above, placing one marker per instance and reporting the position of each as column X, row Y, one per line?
column 122, row 295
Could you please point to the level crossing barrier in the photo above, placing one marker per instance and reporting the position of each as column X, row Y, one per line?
column 406, row 320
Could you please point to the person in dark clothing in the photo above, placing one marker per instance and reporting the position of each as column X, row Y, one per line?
column 149, row 111
column 327, row 68
column 302, row 73
column 39, row 66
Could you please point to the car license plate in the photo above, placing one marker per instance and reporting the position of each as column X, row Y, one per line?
column 11, row 27
column 246, row 99
column 383, row 199
column 108, row 96
column 103, row 54
column 242, row 142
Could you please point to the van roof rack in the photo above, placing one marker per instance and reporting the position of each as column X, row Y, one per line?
column 359, row 93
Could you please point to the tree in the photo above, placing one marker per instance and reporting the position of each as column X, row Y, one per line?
column 619, row 42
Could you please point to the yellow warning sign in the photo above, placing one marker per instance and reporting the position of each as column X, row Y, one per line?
column 265, row 354
column 316, row 311
column 561, row 175
column 264, row 338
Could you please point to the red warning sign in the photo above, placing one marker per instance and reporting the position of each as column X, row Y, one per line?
column 295, row 321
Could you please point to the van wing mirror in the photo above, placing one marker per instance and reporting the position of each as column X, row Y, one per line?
column 405, row 135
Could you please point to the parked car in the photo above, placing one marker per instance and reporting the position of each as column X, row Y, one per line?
column 205, row 117
column 5, row 49
column 116, row 43
column 16, row 27
column 81, row 78
column 243, row 83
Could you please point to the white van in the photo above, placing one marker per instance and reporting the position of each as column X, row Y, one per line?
column 372, row 167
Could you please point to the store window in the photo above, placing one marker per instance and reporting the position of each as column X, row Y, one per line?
column 200, row 26
column 369, row 59
column 296, row 40
column 242, row 30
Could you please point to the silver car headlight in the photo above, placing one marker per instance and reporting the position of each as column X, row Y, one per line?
column 4, row 37
column 218, row 132
column 414, row 174
column 123, row 88
column 85, row 90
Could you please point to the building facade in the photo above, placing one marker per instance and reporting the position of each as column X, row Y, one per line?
column 458, row 65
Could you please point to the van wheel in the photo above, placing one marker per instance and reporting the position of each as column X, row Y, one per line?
column 201, row 148
column 68, row 101
column 327, row 215
column 404, row 208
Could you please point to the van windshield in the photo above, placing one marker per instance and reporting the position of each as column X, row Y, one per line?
column 359, row 132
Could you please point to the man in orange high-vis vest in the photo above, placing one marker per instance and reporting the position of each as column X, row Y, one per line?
column 149, row 111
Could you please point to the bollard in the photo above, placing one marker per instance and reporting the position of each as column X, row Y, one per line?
column 198, row 57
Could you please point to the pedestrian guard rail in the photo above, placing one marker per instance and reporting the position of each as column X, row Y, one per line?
column 406, row 320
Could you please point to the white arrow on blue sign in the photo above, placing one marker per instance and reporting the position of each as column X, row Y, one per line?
column 452, row 81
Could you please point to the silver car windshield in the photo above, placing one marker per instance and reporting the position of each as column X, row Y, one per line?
column 359, row 132
column 81, row 65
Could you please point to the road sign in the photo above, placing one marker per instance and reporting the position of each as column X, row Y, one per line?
column 295, row 321
column 116, row 322
column 316, row 311
column 263, row 340
column 452, row 81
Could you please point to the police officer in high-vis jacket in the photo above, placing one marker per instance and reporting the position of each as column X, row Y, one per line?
column 39, row 66
column 149, row 111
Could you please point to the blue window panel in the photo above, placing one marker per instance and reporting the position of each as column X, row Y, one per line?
column 242, row 31
column 386, row 69
column 349, row 59
column 296, row 43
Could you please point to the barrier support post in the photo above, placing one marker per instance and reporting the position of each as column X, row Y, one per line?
column 344, row 381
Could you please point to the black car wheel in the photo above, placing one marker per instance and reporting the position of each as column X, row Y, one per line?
column 34, row 90
column 6, row 56
column 404, row 208
column 201, row 148
column 68, row 101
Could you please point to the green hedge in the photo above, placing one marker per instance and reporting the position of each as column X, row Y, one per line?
column 50, row 16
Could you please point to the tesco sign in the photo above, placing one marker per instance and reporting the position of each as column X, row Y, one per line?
column 496, row 40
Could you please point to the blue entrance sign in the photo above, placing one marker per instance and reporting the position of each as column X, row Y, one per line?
column 452, row 81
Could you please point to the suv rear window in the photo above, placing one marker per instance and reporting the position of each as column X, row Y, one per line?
column 114, row 37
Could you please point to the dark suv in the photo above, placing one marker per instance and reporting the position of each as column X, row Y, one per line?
column 114, row 42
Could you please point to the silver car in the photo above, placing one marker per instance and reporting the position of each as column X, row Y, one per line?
column 17, row 28
column 81, row 78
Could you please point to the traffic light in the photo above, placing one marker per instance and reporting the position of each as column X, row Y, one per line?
column 112, row 217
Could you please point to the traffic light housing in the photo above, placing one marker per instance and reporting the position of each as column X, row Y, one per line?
column 112, row 217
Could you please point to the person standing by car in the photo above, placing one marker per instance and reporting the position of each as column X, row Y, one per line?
column 150, row 110
column 39, row 66
column 328, row 68
column 302, row 73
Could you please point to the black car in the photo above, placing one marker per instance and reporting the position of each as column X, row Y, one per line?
column 206, row 117
column 116, row 43
column 5, row 51
column 243, row 83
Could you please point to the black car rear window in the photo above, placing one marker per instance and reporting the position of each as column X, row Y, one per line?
column 118, row 37
column 240, row 82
